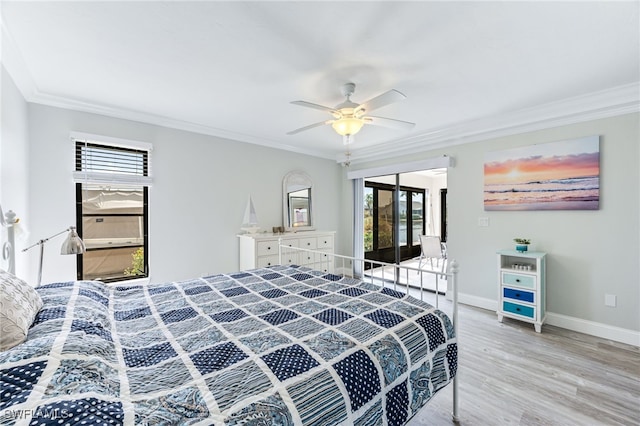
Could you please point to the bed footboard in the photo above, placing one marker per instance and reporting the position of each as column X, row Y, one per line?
column 355, row 267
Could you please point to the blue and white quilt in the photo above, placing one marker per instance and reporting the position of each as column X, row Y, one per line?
column 275, row 346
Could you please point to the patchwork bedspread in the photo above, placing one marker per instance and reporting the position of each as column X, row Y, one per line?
column 283, row 345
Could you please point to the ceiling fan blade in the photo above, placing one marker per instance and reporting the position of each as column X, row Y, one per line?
column 315, row 106
column 310, row 126
column 381, row 100
column 389, row 122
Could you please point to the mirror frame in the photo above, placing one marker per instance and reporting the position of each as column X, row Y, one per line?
column 292, row 182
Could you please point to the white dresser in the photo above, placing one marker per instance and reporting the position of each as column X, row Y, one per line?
column 261, row 250
column 521, row 280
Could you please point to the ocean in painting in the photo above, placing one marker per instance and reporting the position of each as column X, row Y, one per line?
column 578, row 193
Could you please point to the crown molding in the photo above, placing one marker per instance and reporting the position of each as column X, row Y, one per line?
column 126, row 114
column 36, row 97
column 612, row 102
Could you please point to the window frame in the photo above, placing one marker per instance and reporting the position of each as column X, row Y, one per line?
column 142, row 181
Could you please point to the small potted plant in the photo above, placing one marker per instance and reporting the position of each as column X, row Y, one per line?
column 522, row 244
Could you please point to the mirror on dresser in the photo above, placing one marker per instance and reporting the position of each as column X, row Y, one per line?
column 297, row 213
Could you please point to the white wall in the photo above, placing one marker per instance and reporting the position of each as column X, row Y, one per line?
column 14, row 151
column 197, row 201
column 590, row 253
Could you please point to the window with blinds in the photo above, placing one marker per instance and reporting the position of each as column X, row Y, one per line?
column 112, row 205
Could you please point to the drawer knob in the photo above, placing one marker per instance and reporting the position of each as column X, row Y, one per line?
column 518, row 309
column 517, row 294
column 308, row 244
column 268, row 248
column 517, row 280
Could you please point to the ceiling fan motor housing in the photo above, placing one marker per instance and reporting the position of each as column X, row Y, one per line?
column 348, row 89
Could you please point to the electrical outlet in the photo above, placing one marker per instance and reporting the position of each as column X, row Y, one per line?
column 610, row 300
column 483, row 221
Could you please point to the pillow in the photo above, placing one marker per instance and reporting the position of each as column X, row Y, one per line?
column 19, row 305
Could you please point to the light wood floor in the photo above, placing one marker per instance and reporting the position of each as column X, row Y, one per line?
column 511, row 375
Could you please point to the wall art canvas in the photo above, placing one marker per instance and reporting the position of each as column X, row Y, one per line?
column 562, row 175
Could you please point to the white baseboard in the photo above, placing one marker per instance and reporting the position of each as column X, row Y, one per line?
column 478, row 302
column 622, row 335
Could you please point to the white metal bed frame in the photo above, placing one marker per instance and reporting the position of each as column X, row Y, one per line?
column 354, row 267
column 8, row 221
column 349, row 266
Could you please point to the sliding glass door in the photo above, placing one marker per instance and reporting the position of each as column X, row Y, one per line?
column 383, row 219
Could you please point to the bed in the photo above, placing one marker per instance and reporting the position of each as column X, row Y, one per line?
column 283, row 345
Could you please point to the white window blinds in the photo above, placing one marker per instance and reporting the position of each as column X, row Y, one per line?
column 106, row 163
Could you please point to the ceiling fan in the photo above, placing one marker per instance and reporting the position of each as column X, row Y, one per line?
column 349, row 117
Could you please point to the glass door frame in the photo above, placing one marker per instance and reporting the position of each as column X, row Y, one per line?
column 357, row 176
column 396, row 252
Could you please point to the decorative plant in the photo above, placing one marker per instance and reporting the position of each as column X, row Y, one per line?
column 137, row 264
column 522, row 240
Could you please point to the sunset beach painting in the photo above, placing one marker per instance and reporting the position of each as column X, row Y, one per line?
column 561, row 175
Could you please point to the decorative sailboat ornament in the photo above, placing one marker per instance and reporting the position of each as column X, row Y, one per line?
column 250, row 221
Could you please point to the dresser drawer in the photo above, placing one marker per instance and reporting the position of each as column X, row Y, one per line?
column 314, row 260
column 306, row 259
column 290, row 258
column 264, row 261
column 310, row 243
column 268, row 247
column 518, row 294
column 325, row 242
column 315, row 256
column 520, row 280
column 322, row 267
column 515, row 308
column 291, row 242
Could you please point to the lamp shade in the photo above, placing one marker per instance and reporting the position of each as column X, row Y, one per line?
column 73, row 244
column 348, row 125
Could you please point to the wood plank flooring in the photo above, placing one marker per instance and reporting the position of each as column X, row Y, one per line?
column 511, row 375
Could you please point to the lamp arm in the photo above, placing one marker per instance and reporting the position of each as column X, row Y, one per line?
column 78, row 249
column 44, row 240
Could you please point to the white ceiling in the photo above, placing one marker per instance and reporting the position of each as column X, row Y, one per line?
column 231, row 69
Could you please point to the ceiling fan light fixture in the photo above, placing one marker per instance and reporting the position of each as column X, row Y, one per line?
column 349, row 117
column 347, row 125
